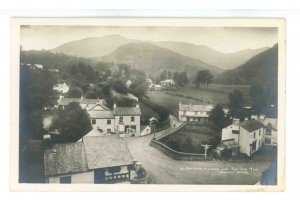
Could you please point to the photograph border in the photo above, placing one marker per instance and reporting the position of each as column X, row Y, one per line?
column 178, row 22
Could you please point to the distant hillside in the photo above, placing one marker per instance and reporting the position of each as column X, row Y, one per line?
column 154, row 59
column 53, row 60
column 261, row 68
column 92, row 47
column 102, row 46
column 211, row 56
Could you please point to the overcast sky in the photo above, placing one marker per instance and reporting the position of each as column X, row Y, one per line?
column 222, row 39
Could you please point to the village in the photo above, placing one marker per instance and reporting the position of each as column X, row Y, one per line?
column 116, row 107
column 119, row 149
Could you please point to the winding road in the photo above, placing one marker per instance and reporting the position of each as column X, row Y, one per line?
column 162, row 169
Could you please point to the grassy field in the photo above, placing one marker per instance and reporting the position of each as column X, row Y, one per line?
column 189, row 142
column 189, row 94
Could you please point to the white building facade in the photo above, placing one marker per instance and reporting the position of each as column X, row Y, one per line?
column 249, row 135
column 190, row 112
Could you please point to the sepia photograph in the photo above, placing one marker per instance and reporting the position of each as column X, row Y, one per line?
column 174, row 103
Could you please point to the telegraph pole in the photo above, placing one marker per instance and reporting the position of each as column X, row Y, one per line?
column 206, row 147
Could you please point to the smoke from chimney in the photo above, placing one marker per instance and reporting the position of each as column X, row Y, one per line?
column 124, row 96
column 47, row 122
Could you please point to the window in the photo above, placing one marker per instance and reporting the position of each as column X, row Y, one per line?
column 121, row 119
column 65, row 179
column 259, row 132
column 254, row 135
column 132, row 119
column 93, row 121
column 196, row 113
column 258, row 142
column 268, row 130
column 109, row 130
column 108, row 121
column 268, row 141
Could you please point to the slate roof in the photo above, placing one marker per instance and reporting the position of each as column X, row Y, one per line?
column 252, row 125
column 127, row 111
column 103, row 114
column 191, row 107
column 67, row 101
column 93, row 153
column 271, row 122
column 106, row 151
column 230, row 144
column 65, row 158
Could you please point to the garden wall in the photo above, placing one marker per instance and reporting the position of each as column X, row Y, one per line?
column 176, row 154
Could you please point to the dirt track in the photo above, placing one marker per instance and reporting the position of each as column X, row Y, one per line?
column 164, row 170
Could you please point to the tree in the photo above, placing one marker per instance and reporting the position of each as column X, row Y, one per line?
column 36, row 94
column 180, row 78
column 139, row 85
column 75, row 92
column 256, row 91
column 203, row 77
column 163, row 75
column 236, row 104
column 217, row 116
column 73, row 123
column 259, row 99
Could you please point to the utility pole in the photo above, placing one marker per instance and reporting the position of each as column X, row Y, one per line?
column 206, row 147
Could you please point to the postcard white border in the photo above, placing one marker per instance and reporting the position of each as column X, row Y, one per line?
column 184, row 22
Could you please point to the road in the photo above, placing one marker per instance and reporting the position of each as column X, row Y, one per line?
column 164, row 170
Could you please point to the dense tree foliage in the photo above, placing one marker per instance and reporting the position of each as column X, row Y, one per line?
column 204, row 77
column 236, row 103
column 72, row 123
column 180, row 78
column 217, row 116
column 36, row 94
column 75, row 92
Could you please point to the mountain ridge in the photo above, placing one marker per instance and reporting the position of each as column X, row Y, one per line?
column 95, row 47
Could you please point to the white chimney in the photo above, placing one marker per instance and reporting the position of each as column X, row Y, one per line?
column 81, row 98
column 137, row 105
column 235, row 125
column 115, row 105
column 254, row 117
column 262, row 117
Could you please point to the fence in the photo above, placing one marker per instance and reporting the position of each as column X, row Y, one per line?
column 177, row 155
column 162, row 134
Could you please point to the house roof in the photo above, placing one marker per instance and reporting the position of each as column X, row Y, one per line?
column 127, row 111
column 103, row 114
column 106, row 152
column 191, row 107
column 65, row 158
column 93, row 152
column 252, row 125
column 67, row 101
column 230, row 144
column 272, row 122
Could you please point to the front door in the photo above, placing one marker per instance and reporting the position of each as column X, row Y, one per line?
column 99, row 176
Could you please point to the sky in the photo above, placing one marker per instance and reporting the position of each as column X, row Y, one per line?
column 223, row 39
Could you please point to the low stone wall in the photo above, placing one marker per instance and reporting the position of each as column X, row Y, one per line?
column 176, row 155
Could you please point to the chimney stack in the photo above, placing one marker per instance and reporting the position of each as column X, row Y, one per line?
column 137, row 105
column 235, row 125
column 115, row 105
